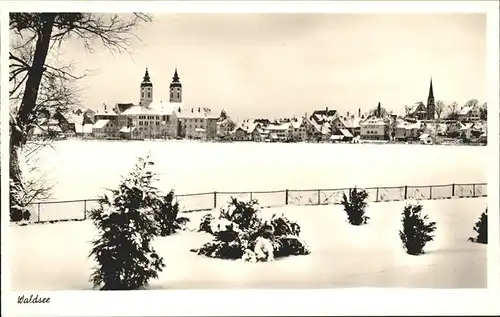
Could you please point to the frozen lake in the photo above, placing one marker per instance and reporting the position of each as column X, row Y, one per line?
column 82, row 169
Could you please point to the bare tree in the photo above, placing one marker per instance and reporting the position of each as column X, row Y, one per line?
column 439, row 108
column 473, row 103
column 38, row 87
column 453, row 111
column 483, row 110
column 407, row 110
column 383, row 112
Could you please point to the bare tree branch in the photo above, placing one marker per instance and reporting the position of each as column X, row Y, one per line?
column 439, row 107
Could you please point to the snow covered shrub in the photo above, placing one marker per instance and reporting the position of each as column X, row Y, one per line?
column 355, row 205
column 126, row 225
column 244, row 214
column 18, row 212
column 417, row 230
column 481, row 228
column 166, row 215
column 240, row 233
column 206, row 224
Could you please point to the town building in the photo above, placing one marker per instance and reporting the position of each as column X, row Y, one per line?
column 375, row 127
column 469, row 113
column 406, row 131
column 224, row 127
column 198, row 123
column 278, row 132
column 104, row 128
column 240, row 134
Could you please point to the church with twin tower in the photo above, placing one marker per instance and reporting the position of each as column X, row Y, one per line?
column 147, row 90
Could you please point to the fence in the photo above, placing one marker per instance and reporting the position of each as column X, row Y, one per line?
column 79, row 209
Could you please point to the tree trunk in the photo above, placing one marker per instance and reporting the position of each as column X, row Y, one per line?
column 20, row 126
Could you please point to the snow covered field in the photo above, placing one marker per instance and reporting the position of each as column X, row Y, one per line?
column 54, row 256
column 81, row 169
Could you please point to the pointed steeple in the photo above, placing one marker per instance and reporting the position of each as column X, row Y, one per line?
column 146, row 80
column 431, row 107
column 146, row 75
column 379, row 110
column 431, row 91
column 176, row 78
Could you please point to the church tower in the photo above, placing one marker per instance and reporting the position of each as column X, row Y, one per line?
column 146, row 90
column 431, row 106
column 175, row 88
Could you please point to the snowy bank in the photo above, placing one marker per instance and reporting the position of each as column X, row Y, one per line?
column 55, row 256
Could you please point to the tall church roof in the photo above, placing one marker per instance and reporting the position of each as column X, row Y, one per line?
column 431, row 91
column 146, row 80
column 175, row 80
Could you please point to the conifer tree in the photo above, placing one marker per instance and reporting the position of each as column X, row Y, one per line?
column 126, row 225
column 417, row 229
column 481, row 228
column 355, row 205
column 166, row 215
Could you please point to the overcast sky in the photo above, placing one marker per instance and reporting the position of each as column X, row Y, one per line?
column 277, row 65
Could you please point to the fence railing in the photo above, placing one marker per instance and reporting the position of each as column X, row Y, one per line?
column 79, row 209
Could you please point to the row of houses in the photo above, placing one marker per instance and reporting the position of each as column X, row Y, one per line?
column 150, row 119
column 329, row 125
column 322, row 125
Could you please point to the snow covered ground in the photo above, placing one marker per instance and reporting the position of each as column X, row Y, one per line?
column 55, row 256
column 81, row 169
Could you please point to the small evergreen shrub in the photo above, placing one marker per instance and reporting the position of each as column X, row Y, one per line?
column 417, row 229
column 206, row 224
column 241, row 233
column 355, row 206
column 481, row 228
column 126, row 226
column 166, row 215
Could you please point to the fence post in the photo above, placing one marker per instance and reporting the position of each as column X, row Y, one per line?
column 376, row 199
column 215, row 199
column 85, row 209
column 474, row 190
column 406, row 192
column 251, row 196
column 452, row 190
column 319, row 197
column 286, row 196
column 38, row 212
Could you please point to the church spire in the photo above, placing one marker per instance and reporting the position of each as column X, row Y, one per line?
column 431, row 91
column 146, row 78
column 176, row 78
column 431, row 106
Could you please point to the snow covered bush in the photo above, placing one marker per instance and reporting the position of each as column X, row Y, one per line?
column 18, row 211
column 355, row 205
column 166, row 216
column 481, row 228
column 126, row 225
column 417, row 229
column 206, row 224
column 241, row 233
